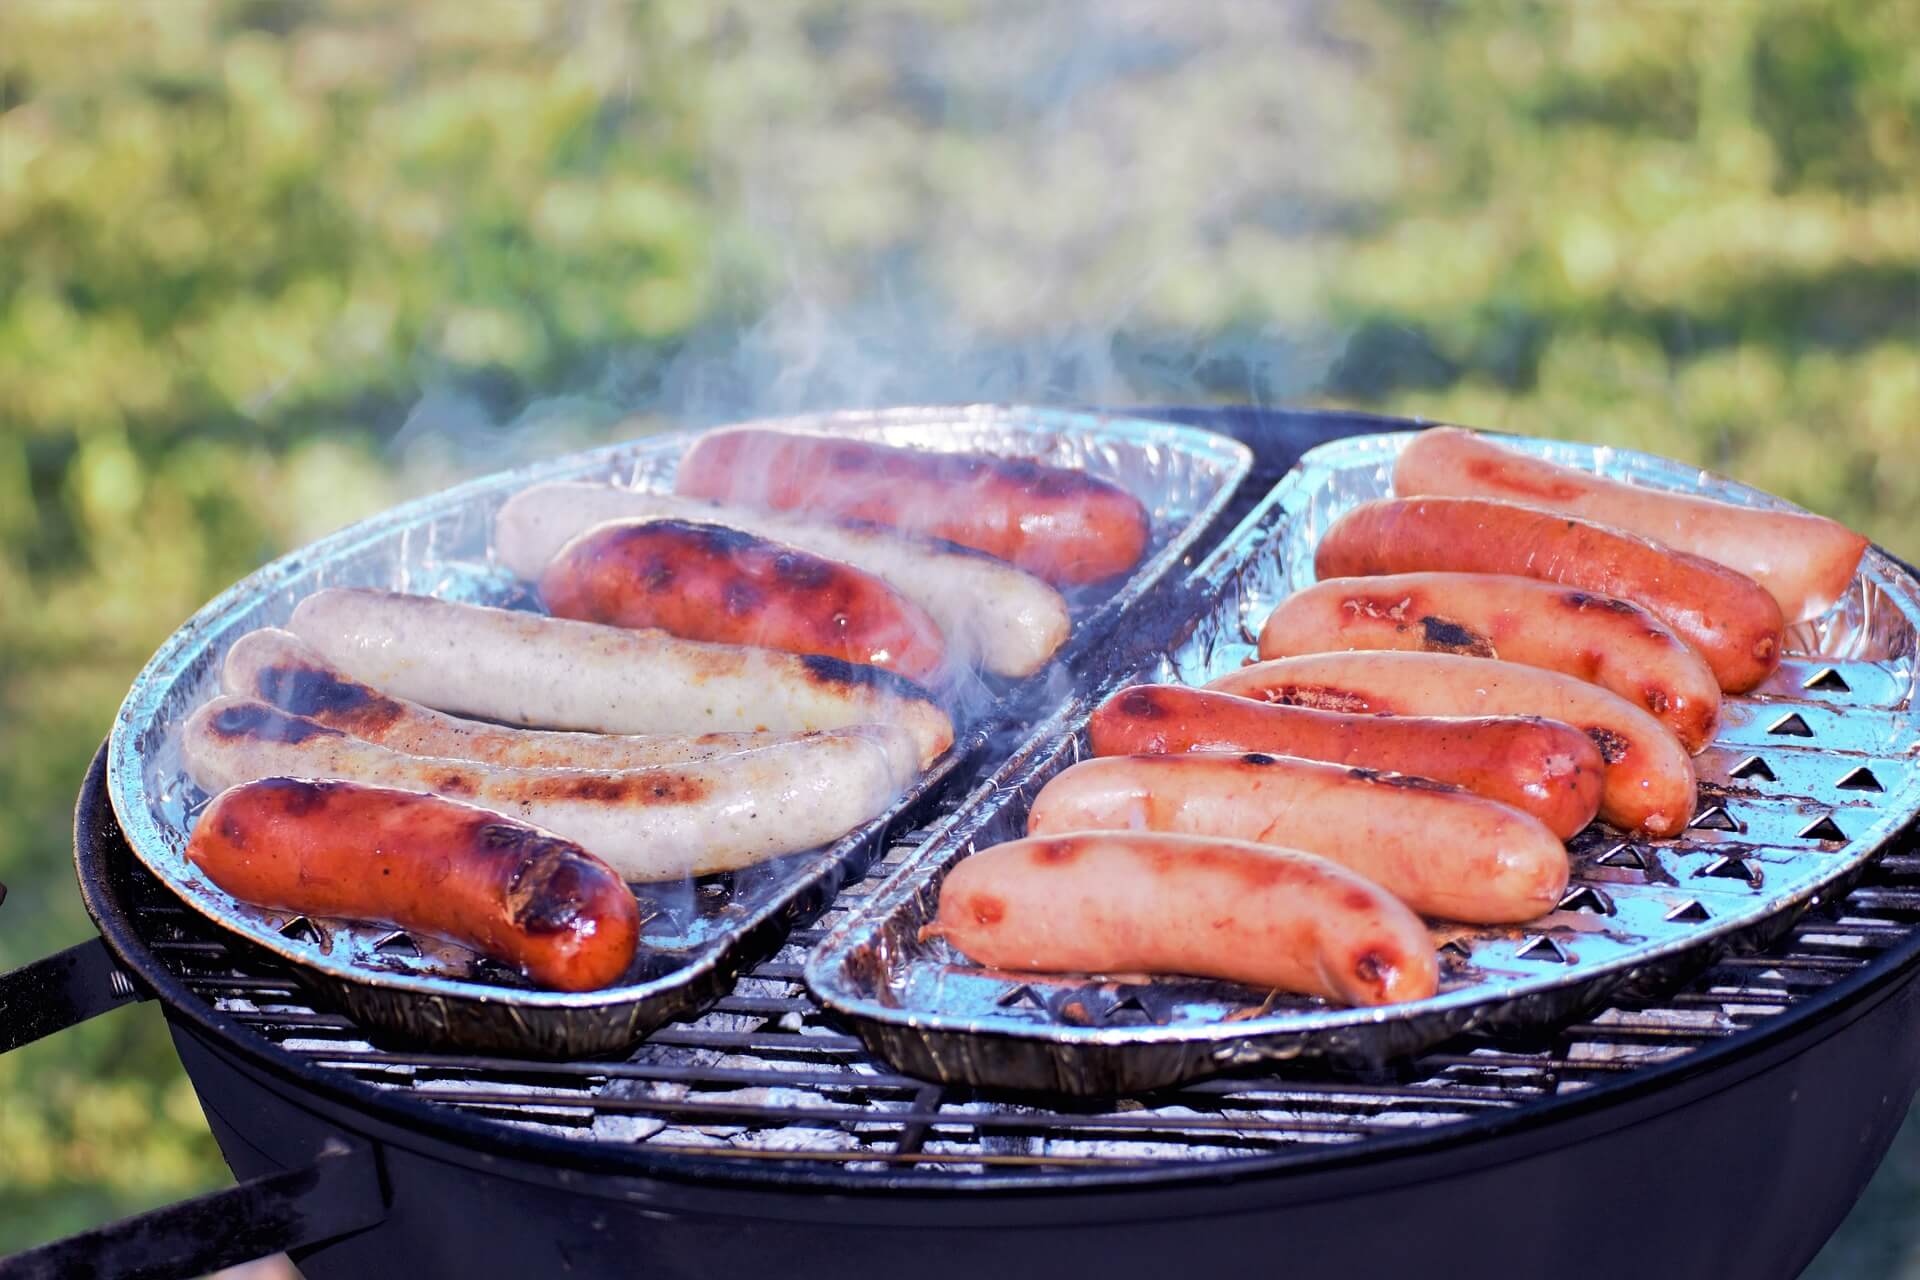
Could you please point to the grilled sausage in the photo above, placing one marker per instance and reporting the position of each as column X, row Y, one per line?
column 279, row 668
column 1127, row 902
column 1729, row 619
column 1605, row 641
column 1649, row 784
column 649, row 824
column 1805, row 561
column 1441, row 850
column 709, row 582
column 523, row 668
column 991, row 613
column 1542, row 767
column 1065, row 526
column 515, row 893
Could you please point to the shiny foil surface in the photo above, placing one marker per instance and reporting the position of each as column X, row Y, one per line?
column 697, row 935
column 1808, row 778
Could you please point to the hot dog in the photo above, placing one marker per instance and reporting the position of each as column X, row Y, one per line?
column 1729, row 619
column 1126, row 902
column 991, row 613
column 1441, row 850
column 279, row 668
column 523, row 896
column 1804, row 561
column 649, row 824
column 523, row 668
column 1550, row 770
column 1649, row 784
column 1600, row 639
column 709, row 582
column 1065, row 526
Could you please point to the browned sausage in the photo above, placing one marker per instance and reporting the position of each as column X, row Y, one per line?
column 278, row 667
column 1065, row 526
column 1649, row 784
column 1804, row 561
column 1122, row 902
column 1542, row 767
column 1600, row 639
column 1441, row 850
column 708, row 582
column 529, row 669
column 1728, row 618
column 661, row 823
column 510, row 891
column 989, row 612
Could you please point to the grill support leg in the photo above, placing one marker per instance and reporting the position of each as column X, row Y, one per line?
column 337, row 1195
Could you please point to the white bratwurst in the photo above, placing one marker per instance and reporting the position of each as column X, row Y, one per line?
column 649, row 824
column 529, row 669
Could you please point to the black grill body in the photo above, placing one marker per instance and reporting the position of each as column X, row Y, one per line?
column 1743, row 1169
column 1724, row 1130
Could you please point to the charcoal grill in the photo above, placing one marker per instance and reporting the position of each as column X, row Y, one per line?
column 1722, row 1130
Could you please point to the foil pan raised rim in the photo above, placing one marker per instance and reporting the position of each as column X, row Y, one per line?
column 856, row 971
column 382, row 995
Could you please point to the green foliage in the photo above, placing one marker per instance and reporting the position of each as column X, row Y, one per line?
column 241, row 244
column 236, row 238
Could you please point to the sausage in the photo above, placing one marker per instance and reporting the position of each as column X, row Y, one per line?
column 663, row 823
column 709, row 582
column 277, row 667
column 1065, row 526
column 524, row 668
column 1127, row 902
column 1613, row 643
column 1649, row 783
column 1806, row 562
column 522, row 896
column 1729, row 619
column 991, row 613
column 1441, row 850
column 1542, row 767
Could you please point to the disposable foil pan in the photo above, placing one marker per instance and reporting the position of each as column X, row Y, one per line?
column 1809, row 776
column 697, row 935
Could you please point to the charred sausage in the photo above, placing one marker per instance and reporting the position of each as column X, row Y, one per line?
column 709, row 582
column 1441, row 850
column 1542, row 767
column 1603, row 640
column 1804, row 561
column 1065, row 526
column 1649, row 784
column 518, row 894
column 990, row 613
column 524, row 668
column 1128, row 902
column 278, row 667
column 1728, row 618
column 663, row 823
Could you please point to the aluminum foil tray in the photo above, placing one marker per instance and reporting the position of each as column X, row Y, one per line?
column 697, row 935
column 1810, row 775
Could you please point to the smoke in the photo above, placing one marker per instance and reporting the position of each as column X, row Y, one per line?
column 1077, row 203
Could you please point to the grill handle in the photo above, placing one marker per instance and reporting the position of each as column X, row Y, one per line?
column 337, row 1195
column 61, row 991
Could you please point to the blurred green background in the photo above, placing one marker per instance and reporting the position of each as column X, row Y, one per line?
column 269, row 266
